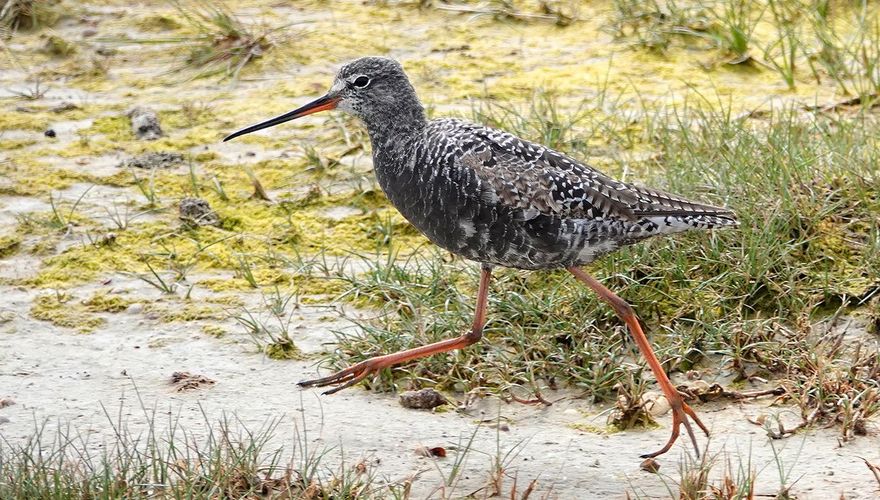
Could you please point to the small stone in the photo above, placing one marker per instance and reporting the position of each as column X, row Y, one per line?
column 161, row 159
column 700, row 386
column 106, row 51
column 89, row 32
column 657, row 406
column 50, row 133
column 437, row 451
column 198, row 212
column 64, row 106
column 650, row 465
column 185, row 381
column 424, row 399
column 4, row 420
column 135, row 308
column 4, row 402
column 145, row 123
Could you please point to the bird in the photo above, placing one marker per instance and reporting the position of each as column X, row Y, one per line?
column 499, row 200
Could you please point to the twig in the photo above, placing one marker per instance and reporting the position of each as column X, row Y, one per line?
column 875, row 469
column 716, row 391
column 259, row 191
column 522, row 16
column 853, row 101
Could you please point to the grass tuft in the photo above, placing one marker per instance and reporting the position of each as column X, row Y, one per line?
column 224, row 459
column 223, row 43
column 16, row 15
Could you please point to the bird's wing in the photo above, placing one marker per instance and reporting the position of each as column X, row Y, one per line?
column 541, row 181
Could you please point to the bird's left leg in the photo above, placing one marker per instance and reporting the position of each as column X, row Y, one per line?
column 358, row 372
column 680, row 410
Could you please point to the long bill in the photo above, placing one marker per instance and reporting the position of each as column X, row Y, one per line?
column 320, row 104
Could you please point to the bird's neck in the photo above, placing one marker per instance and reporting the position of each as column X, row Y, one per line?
column 396, row 123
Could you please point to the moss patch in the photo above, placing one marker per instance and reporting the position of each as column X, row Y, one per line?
column 283, row 349
column 9, row 244
column 58, row 47
column 105, row 302
column 215, row 331
column 10, row 144
column 58, row 310
column 183, row 311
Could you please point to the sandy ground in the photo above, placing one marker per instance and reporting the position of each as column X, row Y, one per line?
column 63, row 377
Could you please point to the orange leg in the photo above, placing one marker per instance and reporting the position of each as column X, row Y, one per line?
column 680, row 410
column 354, row 374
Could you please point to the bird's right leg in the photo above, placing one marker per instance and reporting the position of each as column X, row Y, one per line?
column 681, row 412
column 354, row 374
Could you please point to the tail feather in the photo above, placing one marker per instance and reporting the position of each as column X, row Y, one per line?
column 656, row 203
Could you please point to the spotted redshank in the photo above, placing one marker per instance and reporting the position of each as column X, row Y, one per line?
column 496, row 199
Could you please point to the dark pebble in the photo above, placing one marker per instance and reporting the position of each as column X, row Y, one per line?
column 425, row 399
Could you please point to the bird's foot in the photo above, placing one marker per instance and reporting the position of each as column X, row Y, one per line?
column 680, row 414
column 347, row 377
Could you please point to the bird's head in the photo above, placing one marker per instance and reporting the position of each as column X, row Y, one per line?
column 373, row 89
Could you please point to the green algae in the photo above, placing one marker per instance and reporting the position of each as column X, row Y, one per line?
column 10, row 144
column 182, row 312
column 29, row 176
column 9, row 245
column 17, row 120
column 282, row 349
column 58, row 47
column 316, row 285
column 158, row 22
column 59, row 309
column 71, row 267
column 116, row 128
column 106, row 302
column 215, row 331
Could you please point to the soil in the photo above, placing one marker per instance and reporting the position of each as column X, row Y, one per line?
column 63, row 377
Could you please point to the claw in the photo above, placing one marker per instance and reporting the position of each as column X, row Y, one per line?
column 680, row 414
column 345, row 378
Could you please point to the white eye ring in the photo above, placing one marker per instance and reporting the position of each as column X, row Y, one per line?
column 361, row 81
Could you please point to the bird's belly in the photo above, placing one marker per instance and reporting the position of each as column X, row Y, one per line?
column 495, row 235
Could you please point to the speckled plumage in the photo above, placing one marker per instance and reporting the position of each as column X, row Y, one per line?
column 492, row 197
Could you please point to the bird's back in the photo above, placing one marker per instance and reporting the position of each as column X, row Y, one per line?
column 495, row 198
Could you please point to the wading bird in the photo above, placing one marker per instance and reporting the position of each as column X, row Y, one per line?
column 499, row 200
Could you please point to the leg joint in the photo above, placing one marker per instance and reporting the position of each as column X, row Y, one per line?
column 473, row 336
column 620, row 306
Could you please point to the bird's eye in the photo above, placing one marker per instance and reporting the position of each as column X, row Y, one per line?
column 361, row 81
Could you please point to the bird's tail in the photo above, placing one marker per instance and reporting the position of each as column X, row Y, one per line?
column 674, row 210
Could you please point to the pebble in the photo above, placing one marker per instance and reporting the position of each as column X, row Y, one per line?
column 650, row 465
column 197, row 211
column 160, row 159
column 145, row 123
column 424, row 399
